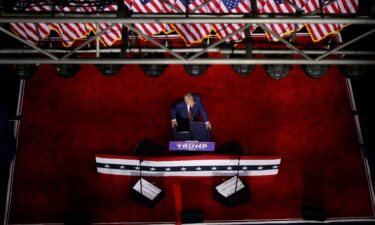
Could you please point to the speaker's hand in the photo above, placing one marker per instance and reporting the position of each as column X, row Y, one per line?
column 208, row 125
column 174, row 123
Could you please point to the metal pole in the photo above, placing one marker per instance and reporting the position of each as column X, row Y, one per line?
column 286, row 42
column 260, row 19
column 193, row 50
column 293, row 5
column 323, row 7
column 155, row 42
column 97, row 47
column 345, row 44
column 212, row 61
column 219, row 42
column 87, row 41
column 28, row 43
column 201, row 6
column 172, row 6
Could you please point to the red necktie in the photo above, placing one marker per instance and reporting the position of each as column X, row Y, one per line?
column 190, row 114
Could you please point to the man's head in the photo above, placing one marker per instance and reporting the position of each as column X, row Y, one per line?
column 189, row 99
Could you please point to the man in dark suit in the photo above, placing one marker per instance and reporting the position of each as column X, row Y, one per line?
column 189, row 109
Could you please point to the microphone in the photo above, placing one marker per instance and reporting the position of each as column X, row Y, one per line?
column 140, row 174
column 238, row 172
column 225, row 194
column 152, row 195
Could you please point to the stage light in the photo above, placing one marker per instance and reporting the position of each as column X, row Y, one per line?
column 277, row 71
column 315, row 71
column 196, row 70
column 109, row 70
column 153, row 70
column 24, row 71
column 242, row 69
column 67, row 70
column 353, row 71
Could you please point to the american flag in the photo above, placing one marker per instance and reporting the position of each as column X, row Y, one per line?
column 29, row 5
column 29, row 31
column 69, row 32
column 203, row 165
column 111, row 35
column 320, row 31
column 174, row 6
column 282, row 6
column 233, row 7
column 191, row 33
column 152, row 7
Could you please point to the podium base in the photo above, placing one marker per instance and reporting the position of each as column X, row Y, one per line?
column 237, row 198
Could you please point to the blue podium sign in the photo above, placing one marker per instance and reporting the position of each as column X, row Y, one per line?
column 192, row 146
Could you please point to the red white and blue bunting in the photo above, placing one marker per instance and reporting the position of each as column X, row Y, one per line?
column 200, row 165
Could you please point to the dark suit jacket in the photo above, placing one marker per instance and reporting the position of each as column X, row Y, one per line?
column 180, row 112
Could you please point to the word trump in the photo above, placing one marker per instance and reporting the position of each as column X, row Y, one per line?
column 191, row 146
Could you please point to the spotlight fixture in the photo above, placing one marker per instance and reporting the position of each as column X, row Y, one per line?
column 67, row 70
column 315, row 71
column 24, row 71
column 353, row 71
column 109, row 70
column 196, row 70
column 277, row 71
column 153, row 70
column 242, row 69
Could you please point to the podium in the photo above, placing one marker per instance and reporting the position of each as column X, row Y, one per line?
column 191, row 131
column 191, row 136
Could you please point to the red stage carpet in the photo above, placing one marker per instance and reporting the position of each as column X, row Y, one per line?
column 308, row 122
